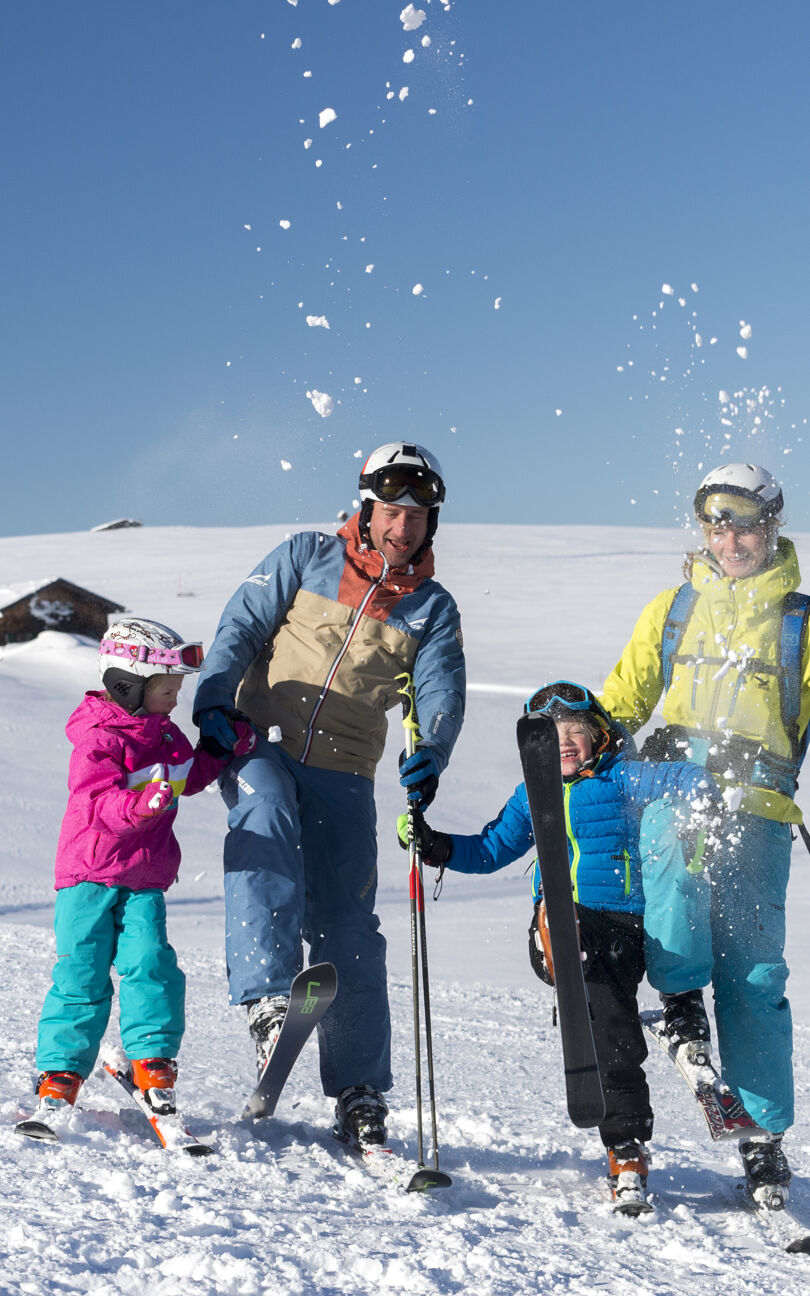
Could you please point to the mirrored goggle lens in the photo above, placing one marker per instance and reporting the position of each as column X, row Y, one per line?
column 390, row 484
column 191, row 655
column 738, row 510
column 563, row 693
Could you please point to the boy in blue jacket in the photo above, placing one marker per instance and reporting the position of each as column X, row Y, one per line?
column 605, row 794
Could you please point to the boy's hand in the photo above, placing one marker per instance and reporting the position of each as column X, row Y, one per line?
column 436, row 847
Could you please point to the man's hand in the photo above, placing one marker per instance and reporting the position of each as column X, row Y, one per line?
column 419, row 775
column 218, row 733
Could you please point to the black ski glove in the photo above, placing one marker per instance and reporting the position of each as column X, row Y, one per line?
column 436, row 847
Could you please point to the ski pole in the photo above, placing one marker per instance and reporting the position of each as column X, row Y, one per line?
column 423, row 1178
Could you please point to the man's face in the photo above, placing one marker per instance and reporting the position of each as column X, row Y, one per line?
column 740, row 551
column 397, row 531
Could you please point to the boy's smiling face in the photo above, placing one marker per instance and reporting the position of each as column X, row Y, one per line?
column 576, row 745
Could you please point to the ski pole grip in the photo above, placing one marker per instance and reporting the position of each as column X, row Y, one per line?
column 410, row 720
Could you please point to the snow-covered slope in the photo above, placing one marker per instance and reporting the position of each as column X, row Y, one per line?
column 281, row 1208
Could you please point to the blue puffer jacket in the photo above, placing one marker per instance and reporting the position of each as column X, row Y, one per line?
column 602, row 813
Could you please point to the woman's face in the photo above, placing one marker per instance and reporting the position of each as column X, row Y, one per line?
column 740, row 551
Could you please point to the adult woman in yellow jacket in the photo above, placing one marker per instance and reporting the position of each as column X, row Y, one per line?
column 737, row 702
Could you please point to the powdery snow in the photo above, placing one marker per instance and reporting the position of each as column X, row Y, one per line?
column 280, row 1208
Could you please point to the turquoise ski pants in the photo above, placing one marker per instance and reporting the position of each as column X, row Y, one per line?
column 726, row 925
column 99, row 927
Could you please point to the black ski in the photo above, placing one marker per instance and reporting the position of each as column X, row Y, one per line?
column 36, row 1129
column 540, row 755
column 311, row 993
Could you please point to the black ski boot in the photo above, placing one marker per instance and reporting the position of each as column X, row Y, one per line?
column 767, row 1173
column 687, row 1025
column 265, row 1017
column 360, row 1114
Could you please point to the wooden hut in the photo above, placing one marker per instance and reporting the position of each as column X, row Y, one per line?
column 26, row 610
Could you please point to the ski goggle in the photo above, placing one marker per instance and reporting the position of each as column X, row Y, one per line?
column 734, row 509
column 391, row 483
column 188, row 655
column 562, row 693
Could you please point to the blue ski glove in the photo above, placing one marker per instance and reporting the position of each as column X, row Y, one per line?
column 217, row 733
column 419, row 775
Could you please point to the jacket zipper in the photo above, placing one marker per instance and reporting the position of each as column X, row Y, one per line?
column 327, row 684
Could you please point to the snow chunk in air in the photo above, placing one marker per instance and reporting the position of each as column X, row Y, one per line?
column 325, row 116
column 317, row 321
column 322, row 402
column 412, row 18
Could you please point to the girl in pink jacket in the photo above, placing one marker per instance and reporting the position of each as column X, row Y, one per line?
column 117, row 854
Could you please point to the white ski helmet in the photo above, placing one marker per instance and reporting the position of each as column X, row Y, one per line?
column 402, row 473
column 133, row 649
column 741, row 494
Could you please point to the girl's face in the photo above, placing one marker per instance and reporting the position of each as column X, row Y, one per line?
column 576, row 745
column 161, row 694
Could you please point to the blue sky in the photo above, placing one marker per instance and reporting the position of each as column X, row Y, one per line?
column 155, row 362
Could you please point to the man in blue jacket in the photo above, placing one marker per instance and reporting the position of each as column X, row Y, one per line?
column 309, row 649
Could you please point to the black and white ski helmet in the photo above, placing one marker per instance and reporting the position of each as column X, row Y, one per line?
column 402, row 472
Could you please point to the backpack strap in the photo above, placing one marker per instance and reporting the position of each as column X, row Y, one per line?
column 795, row 608
column 674, row 627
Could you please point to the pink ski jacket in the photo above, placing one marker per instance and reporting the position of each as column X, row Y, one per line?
column 115, row 755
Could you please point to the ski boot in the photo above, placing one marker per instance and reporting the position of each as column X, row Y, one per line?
column 360, row 1114
column 767, row 1173
column 155, row 1078
column 628, row 1164
column 687, row 1025
column 265, row 1019
column 58, row 1089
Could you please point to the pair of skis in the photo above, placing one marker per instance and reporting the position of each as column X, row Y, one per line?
column 168, row 1128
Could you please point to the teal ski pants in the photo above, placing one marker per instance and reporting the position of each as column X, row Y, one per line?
column 97, row 928
column 726, row 925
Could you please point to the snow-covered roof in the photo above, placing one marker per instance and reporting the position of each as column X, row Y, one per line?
column 117, row 524
column 18, row 590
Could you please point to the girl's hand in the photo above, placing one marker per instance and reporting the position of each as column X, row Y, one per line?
column 154, row 800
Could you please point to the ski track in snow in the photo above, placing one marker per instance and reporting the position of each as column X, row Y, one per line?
column 282, row 1207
